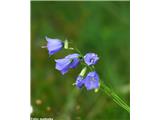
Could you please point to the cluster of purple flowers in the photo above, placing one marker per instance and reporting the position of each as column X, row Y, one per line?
column 91, row 80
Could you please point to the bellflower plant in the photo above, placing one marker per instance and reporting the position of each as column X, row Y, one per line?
column 88, row 76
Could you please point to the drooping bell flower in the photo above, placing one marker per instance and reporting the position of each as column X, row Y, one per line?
column 91, row 58
column 80, row 79
column 70, row 61
column 91, row 81
column 53, row 45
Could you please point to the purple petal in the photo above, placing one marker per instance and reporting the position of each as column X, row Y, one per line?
column 54, row 45
column 91, row 58
column 74, row 63
column 72, row 56
column 51, row 52
column 62, row 64
column 79, row 82
column 70, row 61
column 65, row 70
column 91, row 81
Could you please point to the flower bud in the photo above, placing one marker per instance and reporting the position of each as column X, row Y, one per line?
column 96, row 90
column 83, row 71
column 66, row 44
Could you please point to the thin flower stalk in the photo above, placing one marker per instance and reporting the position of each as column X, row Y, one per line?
column 88, row 77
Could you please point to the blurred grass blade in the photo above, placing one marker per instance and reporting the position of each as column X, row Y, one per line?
column 114, row 96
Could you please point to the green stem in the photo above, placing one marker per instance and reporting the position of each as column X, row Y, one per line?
column 114, row 96
column 105, row 88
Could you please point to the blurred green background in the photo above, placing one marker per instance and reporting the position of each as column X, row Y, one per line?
column 100, row 27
